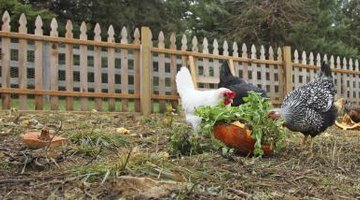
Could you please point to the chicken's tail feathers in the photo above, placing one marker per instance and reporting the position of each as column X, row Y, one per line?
column 325, row 69
column 184, row 81
column 225, row 70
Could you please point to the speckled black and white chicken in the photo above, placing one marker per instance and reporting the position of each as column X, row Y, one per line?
column 310, row 108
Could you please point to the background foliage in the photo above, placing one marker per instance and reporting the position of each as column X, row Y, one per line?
column 324, row 26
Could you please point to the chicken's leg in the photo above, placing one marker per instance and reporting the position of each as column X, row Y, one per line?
column 304, row 140
column 311, row 145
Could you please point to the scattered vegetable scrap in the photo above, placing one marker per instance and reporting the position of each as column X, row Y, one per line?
column 37, row 140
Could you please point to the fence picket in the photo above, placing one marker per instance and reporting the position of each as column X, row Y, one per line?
column 137, row 70
column 97, row 67
column 205, row 61
column 184, row 48
column 339, row 78
column 161, row 70
column 245, row 68
column 264, row 69
column 216, row 64
column 235, row 54
column 54, row 66
column 38, row 62
column 311, row 62
column 5, row 57
column 253, row 66
column 271, row 74
column 173, row 68
column 345, row 79
column 296, row 70
column 22, row 62
column 351, row 79
column 69, row 75
column 83, row 68
column 111, row 68
column 124, row 70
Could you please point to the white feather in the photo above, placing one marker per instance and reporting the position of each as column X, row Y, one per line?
column 192, row 98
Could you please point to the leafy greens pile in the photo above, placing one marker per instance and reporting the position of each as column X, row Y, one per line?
column 254, row 112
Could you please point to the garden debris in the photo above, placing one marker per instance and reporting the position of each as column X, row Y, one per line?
column 347, row 124
column 36, row 140
column 122, row 130
column 145, row 188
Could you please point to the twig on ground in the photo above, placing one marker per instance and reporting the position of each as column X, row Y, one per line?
column 240, row 193
column 56, row 132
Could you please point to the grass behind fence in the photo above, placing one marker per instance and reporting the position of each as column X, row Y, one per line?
column 77, row 105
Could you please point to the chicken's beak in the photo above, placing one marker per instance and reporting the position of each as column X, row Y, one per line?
column 274, row 115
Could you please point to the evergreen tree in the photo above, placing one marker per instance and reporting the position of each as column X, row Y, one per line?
column 15, row 8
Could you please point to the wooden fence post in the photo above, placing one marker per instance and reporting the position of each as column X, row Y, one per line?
column 287, row 70
column 145, row 72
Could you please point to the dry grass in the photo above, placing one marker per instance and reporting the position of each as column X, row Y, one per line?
column 90, row 165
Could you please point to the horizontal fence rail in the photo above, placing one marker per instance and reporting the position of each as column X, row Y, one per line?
column 55, row 72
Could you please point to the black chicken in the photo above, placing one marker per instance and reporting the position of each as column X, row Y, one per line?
column 310, row 108
column 237, row 85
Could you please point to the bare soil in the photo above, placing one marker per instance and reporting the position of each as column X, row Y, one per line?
column 101, row 162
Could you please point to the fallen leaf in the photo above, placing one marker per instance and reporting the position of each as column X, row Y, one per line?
column 25, row 123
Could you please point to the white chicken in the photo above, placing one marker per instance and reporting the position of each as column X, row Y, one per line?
column 192, row 98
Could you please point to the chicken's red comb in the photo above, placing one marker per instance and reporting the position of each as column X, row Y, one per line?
column 230, row 94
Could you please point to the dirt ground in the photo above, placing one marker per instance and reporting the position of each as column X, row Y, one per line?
column 101, row 161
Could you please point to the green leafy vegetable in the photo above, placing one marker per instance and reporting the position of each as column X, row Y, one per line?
column 254, row 112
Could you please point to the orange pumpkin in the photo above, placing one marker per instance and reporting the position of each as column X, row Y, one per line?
column 238, row 137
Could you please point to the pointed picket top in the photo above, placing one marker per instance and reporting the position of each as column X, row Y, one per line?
column 69, row 29
column 338, row 62
column 216, row 47
column 253, row 51
column 332, row 62
column 97, row 31
column 136, row 36
column 5, row 22
column 225, row 48
column 262, row 52
column 172, row 41
column 296, row 56
column 244, row 53
column 318, row 59
column 351, row 64
column 205, row 45
column 54, row 27
column 235, row 50
column 271, row 53
column 325, row 58
column 279, row 54
column 111, row 34
column 184, row 43
column 311, row 58
column 38, row 26
column 124, row 35
column 303, row 58
column 194, row 44
column 83, row 30
column 22, row 23
column 161, row 39
column 345, row 65
column 356, row 65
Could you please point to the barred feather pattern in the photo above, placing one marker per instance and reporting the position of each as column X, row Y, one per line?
column 310, row 108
